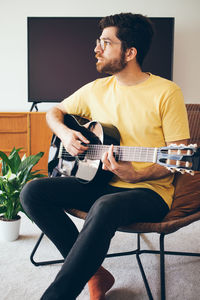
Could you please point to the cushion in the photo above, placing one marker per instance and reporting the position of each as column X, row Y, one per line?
column 187, row 196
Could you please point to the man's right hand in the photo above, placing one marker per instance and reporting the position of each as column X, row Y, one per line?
column 73, row 141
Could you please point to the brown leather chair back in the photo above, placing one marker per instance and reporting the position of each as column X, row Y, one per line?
column 193, row 111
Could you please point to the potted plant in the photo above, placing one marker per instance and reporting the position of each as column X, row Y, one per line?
column 15, row 173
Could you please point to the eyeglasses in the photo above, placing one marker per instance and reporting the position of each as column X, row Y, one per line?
column 104, row 43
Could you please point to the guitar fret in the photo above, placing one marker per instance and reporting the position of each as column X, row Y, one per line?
column 61, row 151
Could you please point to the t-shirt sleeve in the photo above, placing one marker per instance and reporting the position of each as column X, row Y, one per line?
column 174, row 117
column 77, row 103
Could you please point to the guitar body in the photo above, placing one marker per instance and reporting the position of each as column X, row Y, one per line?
column 61, row 163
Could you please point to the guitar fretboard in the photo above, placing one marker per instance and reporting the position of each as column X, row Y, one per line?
column 122, row 153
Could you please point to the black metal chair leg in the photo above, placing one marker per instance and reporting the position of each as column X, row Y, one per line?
column 137, row 252
column 35, row 249
column 162, row 268
column 42, row 263
column 142, row 269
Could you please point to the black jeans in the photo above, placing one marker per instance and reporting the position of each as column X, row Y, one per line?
column 45, row 201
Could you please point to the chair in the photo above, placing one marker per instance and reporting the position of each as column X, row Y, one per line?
column 185, row 210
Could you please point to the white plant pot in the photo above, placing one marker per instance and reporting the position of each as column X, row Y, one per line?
column 9, row 229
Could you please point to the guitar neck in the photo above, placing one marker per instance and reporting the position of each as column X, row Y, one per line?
column 175, row 157
column 123, row 153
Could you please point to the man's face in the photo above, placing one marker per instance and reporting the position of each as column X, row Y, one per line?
column 111, row 58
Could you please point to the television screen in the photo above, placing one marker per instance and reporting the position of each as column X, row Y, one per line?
column 61, row 54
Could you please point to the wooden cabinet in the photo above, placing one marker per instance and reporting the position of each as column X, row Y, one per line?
column 14, row 131
column 28, row 131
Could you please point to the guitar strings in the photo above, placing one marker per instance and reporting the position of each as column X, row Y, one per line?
column 124, row 153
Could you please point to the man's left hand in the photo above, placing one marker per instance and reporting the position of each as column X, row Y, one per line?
column 123, row 169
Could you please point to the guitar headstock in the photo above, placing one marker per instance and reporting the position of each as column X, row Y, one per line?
column 180, row 158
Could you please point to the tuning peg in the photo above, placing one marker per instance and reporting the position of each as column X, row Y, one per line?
column 189, row 152
column 173, row 170
column 191, row 172
column 179, row 152
column 187, row 164
column 180, row 170
column 193, row 145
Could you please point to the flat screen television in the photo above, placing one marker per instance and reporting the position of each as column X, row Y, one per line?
column 61, row 54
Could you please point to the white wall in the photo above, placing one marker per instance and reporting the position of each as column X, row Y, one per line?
column 13, row 40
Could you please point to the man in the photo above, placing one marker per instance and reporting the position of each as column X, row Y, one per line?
column 149, row 112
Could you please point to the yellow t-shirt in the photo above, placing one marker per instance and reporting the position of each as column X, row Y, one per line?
column 147, row 115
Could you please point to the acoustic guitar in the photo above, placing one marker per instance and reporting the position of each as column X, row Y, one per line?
column 88, row 166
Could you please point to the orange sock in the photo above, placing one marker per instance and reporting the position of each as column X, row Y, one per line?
column 100, row 283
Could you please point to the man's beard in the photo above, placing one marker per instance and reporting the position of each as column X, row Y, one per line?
column 113, row 66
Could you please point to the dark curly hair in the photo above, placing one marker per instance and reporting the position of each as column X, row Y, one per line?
column 133, row 30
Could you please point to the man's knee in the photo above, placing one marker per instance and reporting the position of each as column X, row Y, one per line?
column 30, row 193
column 102, row 208
column 101, row 217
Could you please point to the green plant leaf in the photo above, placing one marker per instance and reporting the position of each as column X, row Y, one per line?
column 15, row 159
column 35, row 174
column 2, row 199
column 5, row 163
column 2, row 209
column 15, row 174
column 31, row 160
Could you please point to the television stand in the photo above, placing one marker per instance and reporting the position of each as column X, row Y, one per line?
column 34, row 105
